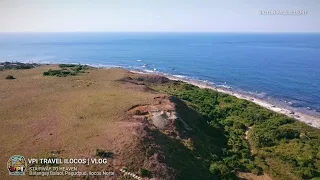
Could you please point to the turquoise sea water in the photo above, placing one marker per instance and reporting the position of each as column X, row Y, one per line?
column 278, row 67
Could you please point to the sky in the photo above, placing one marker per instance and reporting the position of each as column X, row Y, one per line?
column 157, row 16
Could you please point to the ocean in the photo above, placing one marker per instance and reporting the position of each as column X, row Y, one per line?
column 280, row 67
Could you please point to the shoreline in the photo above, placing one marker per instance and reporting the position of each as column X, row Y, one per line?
column 310, row 120
column 302, row 117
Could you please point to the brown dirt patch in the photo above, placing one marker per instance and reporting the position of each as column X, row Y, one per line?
column 250, row 176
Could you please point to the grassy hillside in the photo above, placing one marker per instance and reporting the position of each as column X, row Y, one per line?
column 277, row 145
column 91, row 113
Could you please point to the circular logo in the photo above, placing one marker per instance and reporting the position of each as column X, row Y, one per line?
column 17, row 165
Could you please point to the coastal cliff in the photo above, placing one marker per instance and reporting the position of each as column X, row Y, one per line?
column 149, row 125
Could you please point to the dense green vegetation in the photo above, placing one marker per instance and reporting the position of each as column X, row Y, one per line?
column 67, row 65
column 281, row 146
column 59, row 73
column 16, row 65
column 67, row 70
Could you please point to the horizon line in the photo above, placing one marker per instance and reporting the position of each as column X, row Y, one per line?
column 227, row 32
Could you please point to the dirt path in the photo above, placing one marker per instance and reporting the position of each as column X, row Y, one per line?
column 246, row 138
column 251, row 175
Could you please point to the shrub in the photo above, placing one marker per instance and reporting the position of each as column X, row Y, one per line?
column 145, row 173
column 286, row 133
column 10, row 77
column 67, row 70
column 222, row 170
column 67, row 65
column 137, row 112
column 256, row 171
column 104, row 154
column 59, row 73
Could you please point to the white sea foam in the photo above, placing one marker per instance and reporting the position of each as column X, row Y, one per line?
column 102, row 65
column 148, row 71
column 224, row 86
column 180, row 76
column 257, row 94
